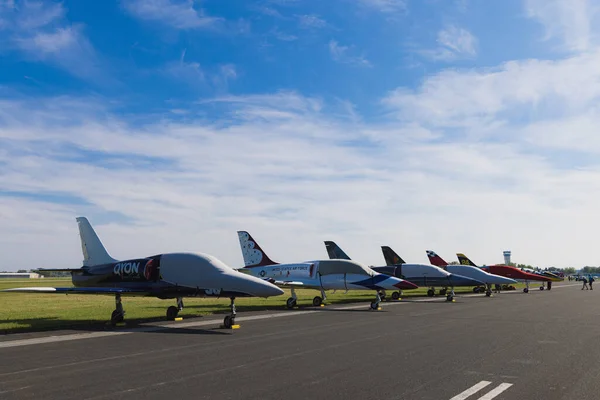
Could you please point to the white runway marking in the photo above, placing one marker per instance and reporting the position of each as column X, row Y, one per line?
column 479, row 386
column 501, row 388
column 471, row 391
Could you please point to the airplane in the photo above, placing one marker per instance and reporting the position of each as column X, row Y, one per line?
column 318, row 274
column 470, row 271
column 165, row 276
column 419, row 274
column 507, row 271
column 553, row 277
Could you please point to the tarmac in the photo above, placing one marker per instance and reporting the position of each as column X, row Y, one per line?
column 540, row 345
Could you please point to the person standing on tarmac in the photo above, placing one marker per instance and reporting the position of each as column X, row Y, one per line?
column 585, row 286
column 591, row 281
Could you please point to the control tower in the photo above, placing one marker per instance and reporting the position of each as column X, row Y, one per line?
column 507, row 257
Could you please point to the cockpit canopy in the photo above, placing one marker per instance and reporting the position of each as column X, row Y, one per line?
column 330, row 267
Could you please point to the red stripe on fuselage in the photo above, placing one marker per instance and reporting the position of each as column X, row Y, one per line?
column 514, row 273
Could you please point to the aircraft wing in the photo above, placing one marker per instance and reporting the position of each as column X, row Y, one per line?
column 57, row 269
column 75, row 290
column 286, row 283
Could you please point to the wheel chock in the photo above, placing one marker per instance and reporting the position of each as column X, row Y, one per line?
column 322, row 305
column 379, row 308
column 179, row 319
column 232, row 327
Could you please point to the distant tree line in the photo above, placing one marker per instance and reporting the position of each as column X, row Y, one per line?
column 590, row 270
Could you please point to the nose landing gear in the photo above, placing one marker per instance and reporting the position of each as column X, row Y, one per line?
column 450, row 296
column 229, row 321
column 173, row 311
column 375, row 304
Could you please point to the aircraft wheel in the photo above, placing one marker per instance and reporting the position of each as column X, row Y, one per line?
column 228, row 322
column 430, row 292
column 488, row 293
column 443, row 292
column 541, row 288
column 395, row 295
column 525, row 290
column 172, row 312
column 476, row 289
column 116, row 317
column 374, row 305
column 291, row 303
column 317, row 301
column 449, row 297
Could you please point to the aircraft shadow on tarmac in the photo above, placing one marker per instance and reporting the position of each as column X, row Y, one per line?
column 143, row 325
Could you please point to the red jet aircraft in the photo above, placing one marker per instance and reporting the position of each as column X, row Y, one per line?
column 507, row 271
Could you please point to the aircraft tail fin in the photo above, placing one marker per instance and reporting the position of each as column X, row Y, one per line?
column 464, row 260
column 93, row 251
column 436, row 260
column 391, row 258
column 253, row 255
column 335, row 252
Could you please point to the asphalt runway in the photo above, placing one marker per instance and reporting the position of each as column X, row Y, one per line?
column 541, row 345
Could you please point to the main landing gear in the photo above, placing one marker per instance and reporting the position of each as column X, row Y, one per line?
column 317, row 301
column 118, row 315
column 173, row 311
column 229, row 321
column 450, row 296
column 375, row 304
column 526, row 290
column 396, row 295
column 488, row 291
column 291, row 302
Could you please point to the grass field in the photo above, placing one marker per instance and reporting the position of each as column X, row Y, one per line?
column 35, row 312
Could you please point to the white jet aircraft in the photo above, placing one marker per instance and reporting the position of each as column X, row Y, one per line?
column 319, row 274
column 166, row 276
column 470, row 272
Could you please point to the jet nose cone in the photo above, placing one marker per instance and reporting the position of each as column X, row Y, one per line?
column 268, row 289
column 256, row 286
column 507, row 281
column 405, row 285
column 393, row 283
column 459, row 280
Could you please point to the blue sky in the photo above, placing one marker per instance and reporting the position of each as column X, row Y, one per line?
column 451, row 125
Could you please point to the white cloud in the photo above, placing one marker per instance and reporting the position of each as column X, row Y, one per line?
column 536, row 86
column 571, row 22
column 386, row 6
column 180, row 14
column 190, row 72
column 454, row 43
column 41, row 33
column 285, row 37
column 343, row 54
column 311, row 21
column 283, row 167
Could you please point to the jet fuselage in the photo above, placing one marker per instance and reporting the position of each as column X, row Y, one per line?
column 514, row 273
column 329, row 275
column 427, row 275
column 173, row 275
